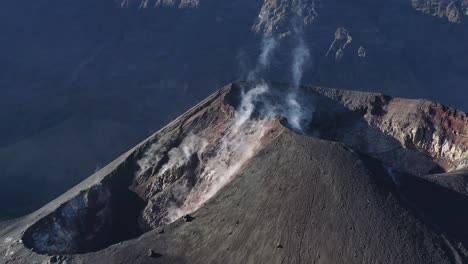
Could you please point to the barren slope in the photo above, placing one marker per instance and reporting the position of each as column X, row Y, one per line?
column 300, row 200
column 271, row 174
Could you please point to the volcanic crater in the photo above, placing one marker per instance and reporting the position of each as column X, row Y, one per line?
column 193, row 161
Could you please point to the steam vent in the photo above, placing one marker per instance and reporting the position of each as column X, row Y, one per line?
column 266, row 173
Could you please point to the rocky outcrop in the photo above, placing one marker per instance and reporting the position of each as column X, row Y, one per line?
column 282, row 16
column 211, row 144
column 159, row 3
column 421, row 125
column 452, row 10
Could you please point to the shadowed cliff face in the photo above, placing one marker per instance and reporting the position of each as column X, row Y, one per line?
column 98, row 77
column 343, row 174
column 453, row 11
column 395, row 129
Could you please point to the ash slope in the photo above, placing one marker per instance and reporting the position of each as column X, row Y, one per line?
column 295, row 199
column 301, row 200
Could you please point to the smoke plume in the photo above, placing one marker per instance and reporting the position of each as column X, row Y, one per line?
column 236, row 147
column 269, row 44
column 191, row 144
column 220, row 159
column 300, row 56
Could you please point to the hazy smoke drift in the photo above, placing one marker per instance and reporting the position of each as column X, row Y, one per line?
column 180, row 156
column 222, row 158
column 300, row 55
column 292, row 104
column 242, row 139
column 294, row 113
column 269, row 45
column 240, row 143
column 247, row 105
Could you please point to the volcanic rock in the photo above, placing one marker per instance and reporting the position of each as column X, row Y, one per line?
column 188, row 218
column 348, row 177
column 53, row 259
column 153, row 254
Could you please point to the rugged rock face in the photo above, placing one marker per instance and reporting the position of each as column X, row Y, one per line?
column 427, row 127
column 161, row 3
column 279, row 16
column 275, row 14
column 258, row 165
column 209, row 145
column 453, row 11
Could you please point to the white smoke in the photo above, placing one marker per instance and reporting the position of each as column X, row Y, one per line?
column 228, row 154
column 235, row 150
column 149, row 159
column 294, row 112
column 269, row 44
column 248, row 102
column 179, row 156
column 124, row 3
column 300, row 56
column 243, row 137
column 254, row 118
column 240, row 143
